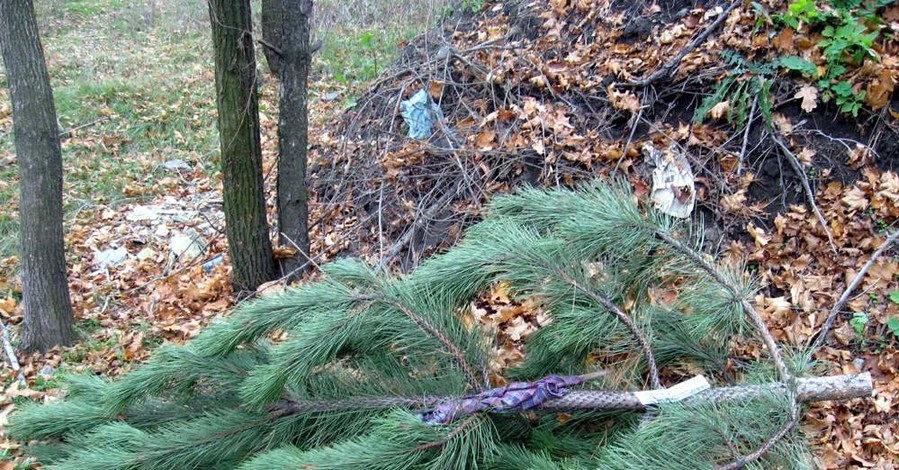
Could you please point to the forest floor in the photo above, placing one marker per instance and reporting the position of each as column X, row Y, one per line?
column 541, row 93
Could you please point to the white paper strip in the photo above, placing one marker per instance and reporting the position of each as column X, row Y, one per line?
column 676, row 393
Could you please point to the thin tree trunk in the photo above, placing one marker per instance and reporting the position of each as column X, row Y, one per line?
column 48, row 308
column 238, row 122
column 293, row 124
column 272, row 34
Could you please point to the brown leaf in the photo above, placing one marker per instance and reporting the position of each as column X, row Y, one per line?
column 761, row 239
column 720, row 110
column 805, row 156
column 625, row 101
column 809, row 96
column 856, row 199
column 485, row 140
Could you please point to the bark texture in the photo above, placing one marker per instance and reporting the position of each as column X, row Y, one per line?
column 272, row 34
column 293, row 125
column 238, row 122
column 48, row 308
column 814, row 389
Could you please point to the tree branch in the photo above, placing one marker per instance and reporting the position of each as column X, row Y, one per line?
column 747, row 307
column 844, row 297
column 809, row 194
column 838, row 387
column 671, row 66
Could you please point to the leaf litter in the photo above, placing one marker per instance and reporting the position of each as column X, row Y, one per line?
column 534, row 93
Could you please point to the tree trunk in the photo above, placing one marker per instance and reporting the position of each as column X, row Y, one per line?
column 272, row 34
column 293, row 124
column 48, row 308
column 238, row 123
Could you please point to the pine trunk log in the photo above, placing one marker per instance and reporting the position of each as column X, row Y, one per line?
column 48, row 308
column 838, row 387
column 238, row 122
column 293, row 125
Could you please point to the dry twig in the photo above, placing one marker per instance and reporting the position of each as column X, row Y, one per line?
column 671, row 66
column 844, row 297
column 809, row 194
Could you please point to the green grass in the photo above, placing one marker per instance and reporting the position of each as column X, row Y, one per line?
column 360, row 39
column 136, row 81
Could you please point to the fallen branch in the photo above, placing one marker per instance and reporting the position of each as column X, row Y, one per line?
column 844, row 297
column 809, row 194
column 71, row 132
column 672, row 64
column 755, row 101
column 838, row 387
column 7, row 347
column 748, row 309
column 404, row 240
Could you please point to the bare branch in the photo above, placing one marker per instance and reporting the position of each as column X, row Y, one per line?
column 671, row 66
column 844, row 297
column 809, row 194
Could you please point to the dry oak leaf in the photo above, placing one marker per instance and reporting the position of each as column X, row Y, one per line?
column 809, row 96
column 759, row 235
column 720, row 110
column 856, row 199
column 859, row 156
column 889, row 187
column 734, row 202
column 625, row 101
column 805, row 156
column 485, row 140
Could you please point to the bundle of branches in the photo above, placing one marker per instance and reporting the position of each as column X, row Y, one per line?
column 366, row 370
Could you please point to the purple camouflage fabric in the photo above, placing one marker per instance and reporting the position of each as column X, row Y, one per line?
column 514, row 396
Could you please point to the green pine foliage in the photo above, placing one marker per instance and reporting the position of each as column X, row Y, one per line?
column 234, row 398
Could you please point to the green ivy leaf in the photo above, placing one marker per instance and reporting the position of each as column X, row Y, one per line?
column 893, row 324
column 798, row 64
column 894, row 296
column 858, row 322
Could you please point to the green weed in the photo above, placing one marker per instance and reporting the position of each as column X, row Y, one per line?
column 849, row 29
column 746, row 82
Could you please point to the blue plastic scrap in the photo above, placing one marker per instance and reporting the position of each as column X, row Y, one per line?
column 419, row 112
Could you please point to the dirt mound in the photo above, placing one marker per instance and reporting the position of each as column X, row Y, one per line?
column 792, row 147
column 552, row 93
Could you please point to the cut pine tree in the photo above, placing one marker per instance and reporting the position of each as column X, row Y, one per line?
column 382, row 372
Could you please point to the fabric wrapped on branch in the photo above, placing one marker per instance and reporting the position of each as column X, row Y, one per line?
column 518, row 396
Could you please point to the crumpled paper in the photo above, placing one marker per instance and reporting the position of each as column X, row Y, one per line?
column 673, row 186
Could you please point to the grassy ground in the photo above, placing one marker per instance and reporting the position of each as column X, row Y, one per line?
column 134, row 88
column 133, row 83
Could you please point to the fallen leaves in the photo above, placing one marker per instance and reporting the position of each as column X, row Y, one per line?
column 625, row 101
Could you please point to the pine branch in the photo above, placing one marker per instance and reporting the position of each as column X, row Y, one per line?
column 430, row 329
column 604, row 300
column 735, row 292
